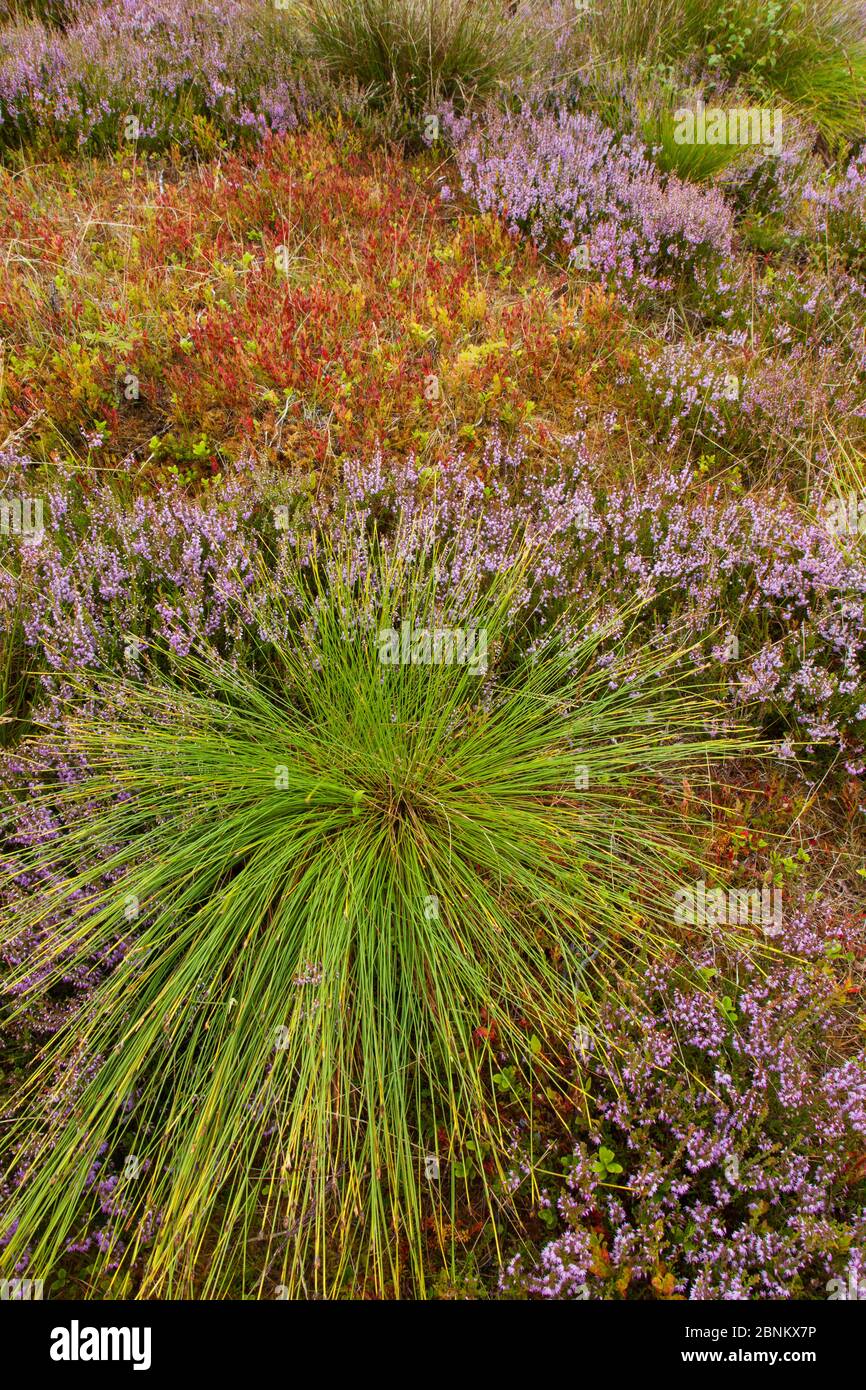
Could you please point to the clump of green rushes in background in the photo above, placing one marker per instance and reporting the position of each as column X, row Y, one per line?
column 418, row 51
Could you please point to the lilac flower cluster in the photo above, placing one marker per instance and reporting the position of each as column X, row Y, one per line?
column 761, row 181
column 701, row 562
column 716, row 392
column 823, row 309
column 840, row 212
column 566, row 180
column 161, row 62
column 734, row 1173
column 757, row 179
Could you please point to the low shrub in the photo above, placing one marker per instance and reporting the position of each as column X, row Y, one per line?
column 569, row 183
column 149, row 74
column 741, row 1177
column 839, row 207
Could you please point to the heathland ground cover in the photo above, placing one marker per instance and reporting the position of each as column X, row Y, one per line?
column 432, row 515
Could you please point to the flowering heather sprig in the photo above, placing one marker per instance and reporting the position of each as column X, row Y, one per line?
column 734, row 1172
column 840, row 212
column 794, row 596
column 106, row 574
column 769, row 183
column 715, row 392
column 567, row 181
column 159, row 61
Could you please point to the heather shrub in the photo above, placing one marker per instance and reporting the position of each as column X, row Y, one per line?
column 156, row 72
column 748, row 409
column 839, row 210
column 749, row 568
column 307, row 880
column 572, row 185
column 764, row 183
column 707, row 565
column 768, row 190
column 640, row 98
column 739, row 1178
column 815, row 307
